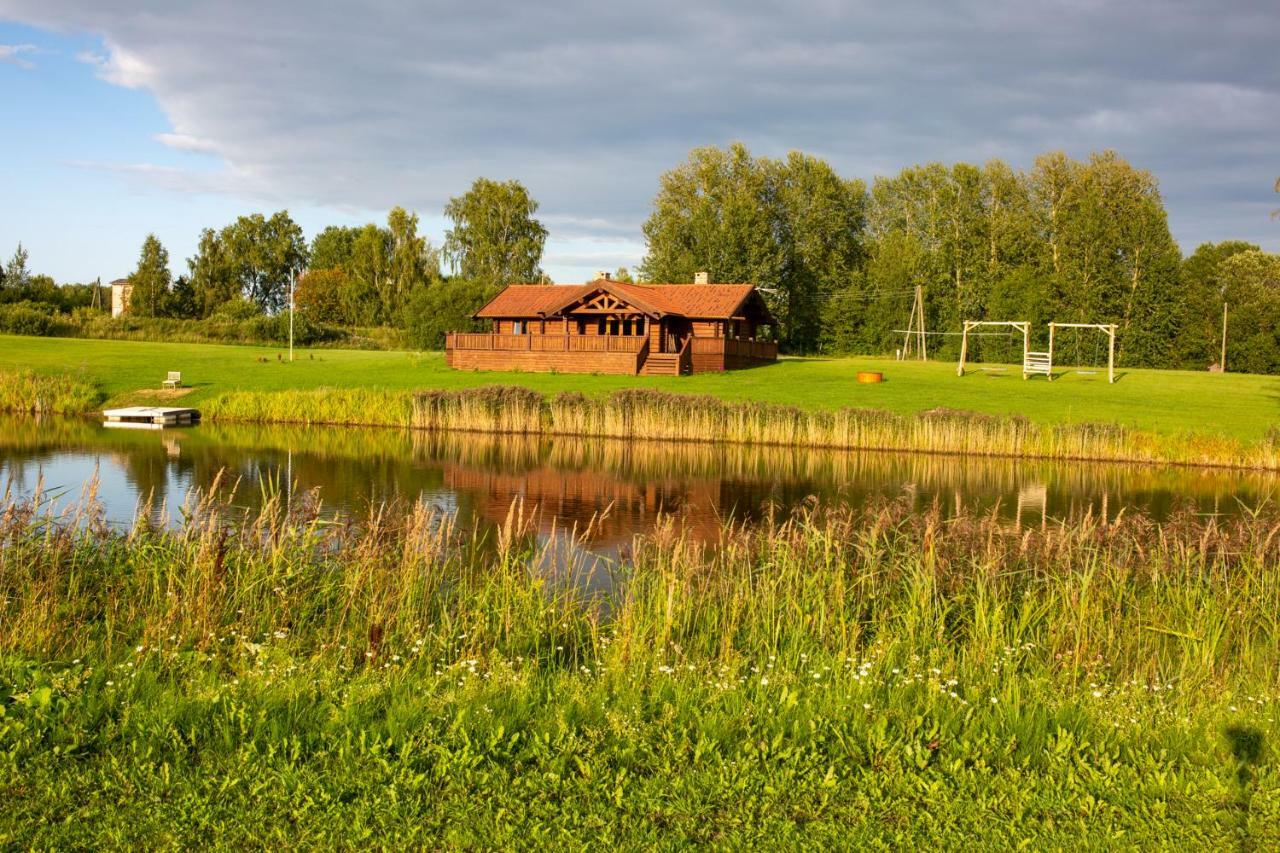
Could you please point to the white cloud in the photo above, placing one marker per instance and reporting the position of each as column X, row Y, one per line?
column 13, row 53
column 187, row 142
column 587, row 103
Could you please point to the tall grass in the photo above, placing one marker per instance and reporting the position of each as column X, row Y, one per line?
column 282, row 676
column 1193, row 600
column 26, row 392
column 647, row 414
column 656, row 415
column 344, row 406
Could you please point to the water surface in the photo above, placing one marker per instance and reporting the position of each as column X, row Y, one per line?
column 616, row 488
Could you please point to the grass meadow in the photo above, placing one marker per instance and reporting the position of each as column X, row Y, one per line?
column 1236, row 406
column 830, row 679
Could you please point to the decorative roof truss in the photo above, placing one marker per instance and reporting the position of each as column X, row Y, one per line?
column 605, row 302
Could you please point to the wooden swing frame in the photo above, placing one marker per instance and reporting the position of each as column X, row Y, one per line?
column 1109, row 329
column 1021, row 325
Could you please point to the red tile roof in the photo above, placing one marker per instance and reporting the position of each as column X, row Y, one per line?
column 709, row 301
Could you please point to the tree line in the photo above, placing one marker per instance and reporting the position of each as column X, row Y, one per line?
column 1067, row 240
column 838, row 261
column 365, row 276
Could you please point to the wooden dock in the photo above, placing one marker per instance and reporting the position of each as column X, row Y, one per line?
column 150, row 417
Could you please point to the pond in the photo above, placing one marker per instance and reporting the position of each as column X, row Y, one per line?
column 615, row 488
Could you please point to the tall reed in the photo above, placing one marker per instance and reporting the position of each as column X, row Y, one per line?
column 27, row 392
column 342, row 406
column 1191, row 600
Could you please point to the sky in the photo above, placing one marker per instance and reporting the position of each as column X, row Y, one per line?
column 124, row 118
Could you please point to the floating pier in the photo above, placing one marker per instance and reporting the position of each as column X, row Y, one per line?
column 150, row 417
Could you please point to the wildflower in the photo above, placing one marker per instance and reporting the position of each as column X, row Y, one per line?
column 764, row 680
column 993, row 700
column 866, row 706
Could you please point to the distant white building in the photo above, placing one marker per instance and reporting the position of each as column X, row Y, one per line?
column 121, row 291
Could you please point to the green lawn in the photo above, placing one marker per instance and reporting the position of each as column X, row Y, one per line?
column 1239, row 405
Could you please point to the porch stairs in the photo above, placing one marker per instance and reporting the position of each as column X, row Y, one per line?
column 662, row 364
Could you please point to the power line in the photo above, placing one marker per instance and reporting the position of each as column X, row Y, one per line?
column 971, row 334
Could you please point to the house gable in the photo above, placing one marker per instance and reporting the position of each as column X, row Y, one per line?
column 605, row 298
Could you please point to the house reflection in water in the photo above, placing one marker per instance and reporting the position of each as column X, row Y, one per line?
column 605, row 509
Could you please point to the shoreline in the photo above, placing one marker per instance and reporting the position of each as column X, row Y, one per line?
column 651, row 415
column 655, row 416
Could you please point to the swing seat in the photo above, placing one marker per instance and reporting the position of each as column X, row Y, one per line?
column 1087, row 372
column 994, row 369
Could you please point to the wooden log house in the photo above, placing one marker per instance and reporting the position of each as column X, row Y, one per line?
column 609, row 326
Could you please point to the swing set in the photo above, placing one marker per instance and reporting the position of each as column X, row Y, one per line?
column 1039, row 363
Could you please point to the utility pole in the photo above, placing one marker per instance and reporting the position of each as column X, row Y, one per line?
column 1223, row 362
column 293, row 276
column 915, row 328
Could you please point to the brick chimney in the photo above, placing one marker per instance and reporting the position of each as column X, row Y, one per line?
column 702, row 278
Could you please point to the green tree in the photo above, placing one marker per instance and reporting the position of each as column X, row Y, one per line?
column 824, row 218
column 443, row 307
column 412, row 264
column 1201, row 297
column 792, row 227
column 322, row 295
column 331, row 248
column 16, row 274
column 184, row 302
column 215, row 280
column 150, row 280
column 253, row 257
column 946, row 213
column 1251, row 280
column 266, row 252
column 495, row 238
column 368, row 272
column 623, row 275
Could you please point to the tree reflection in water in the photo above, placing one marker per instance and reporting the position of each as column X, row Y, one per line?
column 599, row 492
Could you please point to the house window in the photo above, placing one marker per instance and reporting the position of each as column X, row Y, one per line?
column 517, row 327
column 600, row 326
column 639, row 325
column 626, row 326
column 582, row 327
column 613, row 326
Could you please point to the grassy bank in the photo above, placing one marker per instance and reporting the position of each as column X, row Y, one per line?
column 828, row 680
column 655, row 415
column 1161, row 402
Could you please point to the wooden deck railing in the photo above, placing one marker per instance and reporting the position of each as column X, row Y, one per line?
column 735, row 347
column 544, row 343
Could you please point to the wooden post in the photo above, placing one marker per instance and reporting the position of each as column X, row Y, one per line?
column 1111, row 355
column 964, row 349
column 1223, row 362
column 924, row 348
column 906, row 336
column 1049, row 375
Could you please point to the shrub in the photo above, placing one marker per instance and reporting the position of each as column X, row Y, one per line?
column 30, row 318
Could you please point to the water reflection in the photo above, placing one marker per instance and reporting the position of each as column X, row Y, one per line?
column 605, row 490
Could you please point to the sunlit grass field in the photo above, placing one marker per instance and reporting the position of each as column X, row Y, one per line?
column 1236, row 405
column 879, row 677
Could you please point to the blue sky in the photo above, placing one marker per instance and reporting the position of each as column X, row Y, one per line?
column 145, row 116
column 73, row 200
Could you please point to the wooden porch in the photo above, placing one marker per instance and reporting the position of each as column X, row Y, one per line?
column 628, row 354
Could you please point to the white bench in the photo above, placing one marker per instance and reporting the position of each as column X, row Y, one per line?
column 173, row 380
column 1037, row 363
